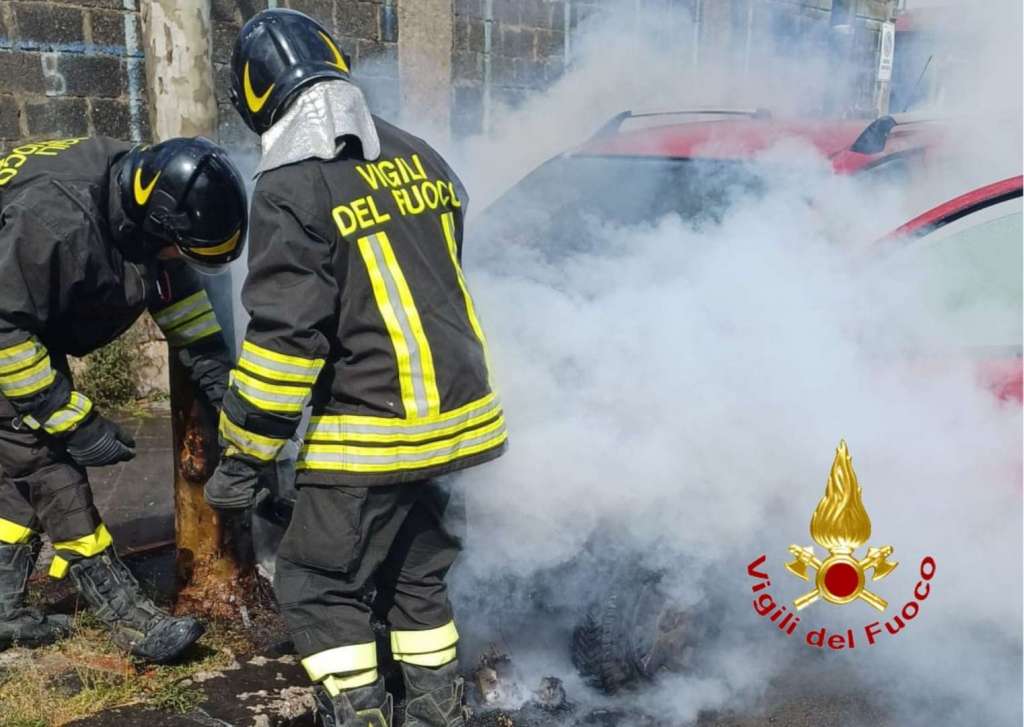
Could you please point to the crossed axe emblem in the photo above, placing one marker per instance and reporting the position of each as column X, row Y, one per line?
column 876, row 560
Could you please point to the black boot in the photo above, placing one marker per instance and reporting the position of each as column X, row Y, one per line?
column 18, row 624
column 368, row 706
column 433, row 696
column 135, row 622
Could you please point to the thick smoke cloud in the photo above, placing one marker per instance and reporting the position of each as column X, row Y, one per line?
column 679, row 388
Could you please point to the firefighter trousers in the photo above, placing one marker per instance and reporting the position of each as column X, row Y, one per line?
column 41, row 487
column 353, row 552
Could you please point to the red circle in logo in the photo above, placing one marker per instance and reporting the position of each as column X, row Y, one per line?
column 841, row 579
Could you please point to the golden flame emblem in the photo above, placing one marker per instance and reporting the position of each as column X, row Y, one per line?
column 840, row 525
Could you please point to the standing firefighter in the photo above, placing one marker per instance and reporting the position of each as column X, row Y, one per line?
column 359, row 306
column 92, row 232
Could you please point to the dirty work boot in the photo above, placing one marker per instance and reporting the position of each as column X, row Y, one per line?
column 368, row 706
column 135, row 622
column 18, row 624
column 433, row 696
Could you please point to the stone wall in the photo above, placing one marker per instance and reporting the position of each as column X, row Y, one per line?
column 506, row 49
column 75, row 67
column 71, row 69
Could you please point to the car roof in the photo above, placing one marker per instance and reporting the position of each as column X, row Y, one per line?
column 960, row 206
column 852, row 145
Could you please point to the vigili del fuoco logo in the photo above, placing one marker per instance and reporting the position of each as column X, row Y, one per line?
column 840, row 524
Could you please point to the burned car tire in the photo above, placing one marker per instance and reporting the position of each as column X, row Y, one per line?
column 630, row 634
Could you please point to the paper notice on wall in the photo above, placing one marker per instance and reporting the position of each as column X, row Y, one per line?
column 885, row 53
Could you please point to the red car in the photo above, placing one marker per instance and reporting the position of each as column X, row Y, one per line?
column 639, row 167
column 851, row 146
column 970, row 248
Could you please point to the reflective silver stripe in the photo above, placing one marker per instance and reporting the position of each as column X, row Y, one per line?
column 28, row 381
column 254, row 445
column 183, row 310
column 77, row 409
column 263, row 394
column 24, row 354
column 192, row 331
column 402, row 457
column 339, row 427
column 415, row 354
column 263, row 364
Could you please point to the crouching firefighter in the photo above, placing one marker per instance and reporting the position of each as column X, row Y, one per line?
column 359, row 307
column 92, row 233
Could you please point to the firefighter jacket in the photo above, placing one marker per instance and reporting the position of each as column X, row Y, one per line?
column 66, row 288
column 359, row 306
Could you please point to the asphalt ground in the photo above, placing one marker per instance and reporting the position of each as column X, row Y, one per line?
column 136, row 499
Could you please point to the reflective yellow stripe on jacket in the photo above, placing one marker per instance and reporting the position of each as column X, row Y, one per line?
column 189, row 320
column 380, row 444
column 242, row 441
column 448, row 226
column 414, row 360
column 280, row 367
column 270, row 397
column 67, row 417
column 25, row 369
column 274, row 382
column 271, row 382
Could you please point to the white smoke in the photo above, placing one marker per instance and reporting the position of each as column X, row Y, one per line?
column 684, row 387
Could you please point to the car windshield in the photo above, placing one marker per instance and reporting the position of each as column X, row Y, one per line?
column 968, row 275
column 558, row 202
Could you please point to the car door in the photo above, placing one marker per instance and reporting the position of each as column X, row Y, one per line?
column 969, row 253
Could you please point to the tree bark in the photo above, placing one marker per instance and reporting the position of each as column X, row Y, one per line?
column 179, row 68
column 179, row 72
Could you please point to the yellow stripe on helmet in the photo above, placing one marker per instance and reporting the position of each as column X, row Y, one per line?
column 254, row 102
column 339, row 59
column 227, row 246
column 142, row 192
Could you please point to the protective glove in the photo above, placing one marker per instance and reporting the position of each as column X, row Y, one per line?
column 99, row 442
column 208, row 366
column 233, row 486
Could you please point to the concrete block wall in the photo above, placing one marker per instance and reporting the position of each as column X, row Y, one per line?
column 506, row 49
column 74, row 67
column 71, row 68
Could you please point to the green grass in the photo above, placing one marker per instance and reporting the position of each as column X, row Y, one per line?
column 110, row 376
column 32, row 695
column 176, row 697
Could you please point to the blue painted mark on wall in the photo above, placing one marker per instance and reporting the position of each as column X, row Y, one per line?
column 55, row 83
column 77, row 48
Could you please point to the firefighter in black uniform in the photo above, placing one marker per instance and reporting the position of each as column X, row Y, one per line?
column 92, row 233
column 359, row 307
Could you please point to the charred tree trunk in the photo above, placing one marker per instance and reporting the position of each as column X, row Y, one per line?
column 179, row 72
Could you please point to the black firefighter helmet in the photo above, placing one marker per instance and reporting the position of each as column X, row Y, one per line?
column 183, row 192
column 278, row 53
